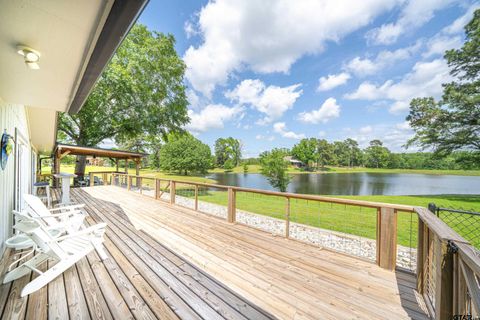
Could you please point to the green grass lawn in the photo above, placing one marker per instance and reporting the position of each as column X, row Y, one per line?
column 346, row 218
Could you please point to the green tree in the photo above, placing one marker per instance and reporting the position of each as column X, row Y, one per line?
column 228, row 149
column 229, row 165
column 377, row 155
column 274, row 168
column 306, row 151
column 453, row 123
column 184, row 154
column 141, row 91
column 245, row 168
column 324, row 153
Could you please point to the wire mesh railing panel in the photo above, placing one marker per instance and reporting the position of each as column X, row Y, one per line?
column 407, row 235
column 465, row 223
column 185, row 195
column 135, row 184
column 120, row 181
column 261, row 211
column 345, row 228
column 213, row 201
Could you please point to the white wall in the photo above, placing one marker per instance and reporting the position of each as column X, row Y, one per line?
column 11, row 116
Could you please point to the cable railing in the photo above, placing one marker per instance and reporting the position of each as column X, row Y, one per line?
column 394, row 236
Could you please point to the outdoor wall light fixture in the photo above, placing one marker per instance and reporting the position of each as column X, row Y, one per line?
column 30, row 56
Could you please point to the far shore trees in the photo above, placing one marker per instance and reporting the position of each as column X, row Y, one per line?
column 274, row 168
column 185, row 154
column 376, row 155
column 141, row 92
column 453, row 123
column 228, row 152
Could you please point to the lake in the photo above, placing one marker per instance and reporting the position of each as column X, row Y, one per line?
column 360, row 183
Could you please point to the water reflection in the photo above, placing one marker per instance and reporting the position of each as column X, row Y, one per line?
column 360, row 183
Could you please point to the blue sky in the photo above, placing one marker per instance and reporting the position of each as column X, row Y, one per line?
column 271, row 72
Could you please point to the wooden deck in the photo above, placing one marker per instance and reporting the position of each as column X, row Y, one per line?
column 169, row 262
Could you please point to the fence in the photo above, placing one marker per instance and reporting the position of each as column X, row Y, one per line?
column 448, row 274
column 383, row 233
column 465, row 223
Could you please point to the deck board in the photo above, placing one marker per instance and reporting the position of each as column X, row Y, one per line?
column 146, row 281
column 287, row 278
column 169, row 262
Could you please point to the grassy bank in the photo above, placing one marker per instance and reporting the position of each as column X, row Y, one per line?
column 143, row 172
column 328, row 169
column 344, row 218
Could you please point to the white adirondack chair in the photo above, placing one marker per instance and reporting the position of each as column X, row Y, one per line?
column 65, row 250
column 71, row 217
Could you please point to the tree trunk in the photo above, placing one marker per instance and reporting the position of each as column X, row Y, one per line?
column 80, row 165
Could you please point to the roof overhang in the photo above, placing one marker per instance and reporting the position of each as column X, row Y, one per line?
column 62, row 150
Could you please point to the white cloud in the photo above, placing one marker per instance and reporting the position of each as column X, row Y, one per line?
column 189, row 29
column 332, row 81
column 458, row 25
column 272, row 101
column 213, row 116
column 363, row 67
column 262, row 137
column 424, row 80
column 270, row 35
column 322, row 133
column 281, row 128
column 393, row 135
column 193, row 98
column 414, row 14
column 328, row 110
column 366, row 129
column 439, row 44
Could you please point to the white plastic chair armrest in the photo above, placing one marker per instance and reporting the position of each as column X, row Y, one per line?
column 83, row 232
column 59, row 215
column 68, row 207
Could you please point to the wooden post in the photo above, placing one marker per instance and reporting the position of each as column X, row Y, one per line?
column 126, row 166
column 420, row 257
column 196, row 197
column 287, row 218
column 139, row 184
column 56, row 170
column 116, row 164
column 443, row 280
column 104, row 177
column 137, row 173
column 172, row 192
column 157, row 189
column 231, row 206
column 387, row 238
column 92, row 179
column 129, row 182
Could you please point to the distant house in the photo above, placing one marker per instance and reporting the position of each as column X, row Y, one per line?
column 294, row 162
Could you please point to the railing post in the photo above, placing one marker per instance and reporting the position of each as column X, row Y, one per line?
column 421, row 257
column 92, row 179
column 129, row 182
column 172, row 192
column 104, row 177
column 231, row 206
column 387, row 238
column 157, row 189
column 196, row 197
column 443, row 280
column 139, row 184
column 287, row 218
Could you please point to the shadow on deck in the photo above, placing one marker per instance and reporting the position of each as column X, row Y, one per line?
column 169, row 262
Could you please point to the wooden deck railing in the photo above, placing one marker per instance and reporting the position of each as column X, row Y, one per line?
column 448, row 269
column 447, row 266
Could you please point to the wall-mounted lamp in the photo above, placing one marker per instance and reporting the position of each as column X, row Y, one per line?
column 30, row 56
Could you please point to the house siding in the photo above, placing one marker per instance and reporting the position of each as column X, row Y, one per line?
column 11, row 116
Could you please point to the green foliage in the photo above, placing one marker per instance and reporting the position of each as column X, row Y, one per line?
column 245, row 168
column 141, row 92
column 184, row 154
column 324, row 154
column 306, row 151
column 376, row 155
column 228, row 165
column 228, row 149
column 274, row 168
column 453, row 123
